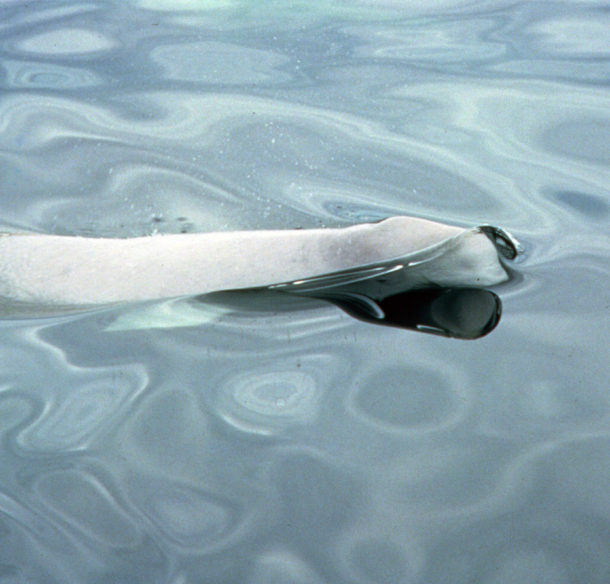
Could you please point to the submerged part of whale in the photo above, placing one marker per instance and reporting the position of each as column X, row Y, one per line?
column 41, row 274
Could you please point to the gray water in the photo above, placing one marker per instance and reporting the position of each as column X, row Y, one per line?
column 170, row 443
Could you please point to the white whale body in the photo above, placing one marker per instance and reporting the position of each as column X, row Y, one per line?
column 41, row 272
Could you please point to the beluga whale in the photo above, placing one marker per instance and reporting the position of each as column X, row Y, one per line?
column 361, row 268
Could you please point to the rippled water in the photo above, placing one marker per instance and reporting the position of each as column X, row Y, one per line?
column 304, row 446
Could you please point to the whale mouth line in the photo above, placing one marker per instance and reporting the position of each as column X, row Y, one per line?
column 336, row 279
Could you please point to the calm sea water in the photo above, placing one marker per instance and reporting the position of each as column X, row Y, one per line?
column 170, row 444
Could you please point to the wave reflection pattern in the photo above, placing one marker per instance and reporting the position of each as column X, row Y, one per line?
column 170, row 442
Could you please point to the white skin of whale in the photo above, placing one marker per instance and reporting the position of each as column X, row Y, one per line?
column 75, row 271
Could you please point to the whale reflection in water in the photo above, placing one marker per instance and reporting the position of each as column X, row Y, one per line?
column 401, row 271
column 464, row 313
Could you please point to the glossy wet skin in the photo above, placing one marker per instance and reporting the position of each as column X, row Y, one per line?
column 68, row 271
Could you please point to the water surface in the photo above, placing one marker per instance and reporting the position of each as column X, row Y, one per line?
column 304, row 446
